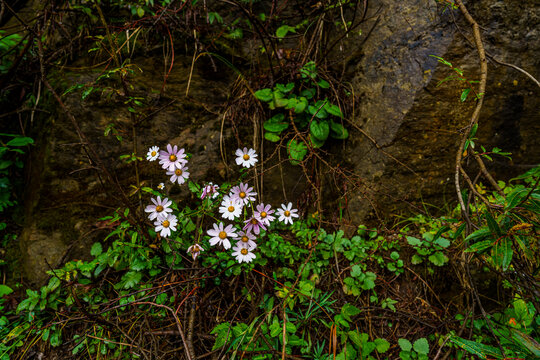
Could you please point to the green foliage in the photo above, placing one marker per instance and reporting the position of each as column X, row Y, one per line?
column 301, row 105
column 458, row 75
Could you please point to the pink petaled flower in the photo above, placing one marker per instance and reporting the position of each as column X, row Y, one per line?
column 246, row 239
column 179, row 174
column 195, row 250
column 243, row 193
column 210, row 190
column 219, row 235
column 286, row 213
column 172, row 158
column 264, row 214
column 159, row 209
column 254, row 224
column 243, row 254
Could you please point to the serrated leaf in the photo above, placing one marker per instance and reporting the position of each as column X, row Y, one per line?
column 405, row 344
column 421, row 346
column 416, row 259
column 413, row 241
column 382, row 345
column 438, row 258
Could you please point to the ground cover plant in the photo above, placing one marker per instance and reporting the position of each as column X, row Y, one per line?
column 191, row 266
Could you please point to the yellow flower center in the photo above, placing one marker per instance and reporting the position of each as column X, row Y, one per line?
column 159, row 208
column 242, row 194
column 166, row 223
column 195, row 249
column 153, row 153
column 246, row 157
column 222, row 235
column 178, row 172
column 263, row 214
column 287, row 213
column 230, row 208
column 245, row 238
column 254, row 221
column 244, row 251
column 172, row 157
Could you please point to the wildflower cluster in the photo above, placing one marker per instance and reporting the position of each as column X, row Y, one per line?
column 234, row 205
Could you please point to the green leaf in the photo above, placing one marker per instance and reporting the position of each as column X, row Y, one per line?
column 480, row 246
column 275, row 123
column 478, row 234
column 464, row 94
column 319, row 129
column 413, row 241
column 516, row 197
column 316, row 143
column 20, row 141
column 492, row 224
column 285, row 88
column 131, row 279
column 323, row 84
column 264, row 95
column 421, row 346
column 308, row 93
column 338, row 131
column 318, row 110
column 502, row 253
column 438, row 258
column 290, row 327
column 405, row 344
column 5, row 290
column 96, row 249
column 297, row 151
column 356, row 271
column 416, row 259
column 333, row 109
column 355, row 337
column 530, row 343
column 476, row 348
column 301, row 104
column 270, row 136
column 442, row 242
column 283, row 30
column 382, row 345
column 350, row 310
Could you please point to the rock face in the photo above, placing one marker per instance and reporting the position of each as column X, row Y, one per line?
column 417, row 123
column 414, row 123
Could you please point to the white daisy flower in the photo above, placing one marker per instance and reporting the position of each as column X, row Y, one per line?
column 246, row 157
column 172, row 158
column 264, row 214
column 161, row 186
column 165, row 224
column 286, row 213
column 219, row 235
column 210, row 190
column 179, row 174
column 246, row 239
column 243, row 193
column 153, row 153
column 159, row 209
column 230, row 208
column 195, row 250
column 243, row 254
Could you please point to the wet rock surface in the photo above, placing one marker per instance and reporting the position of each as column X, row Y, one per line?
column 415, row 124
